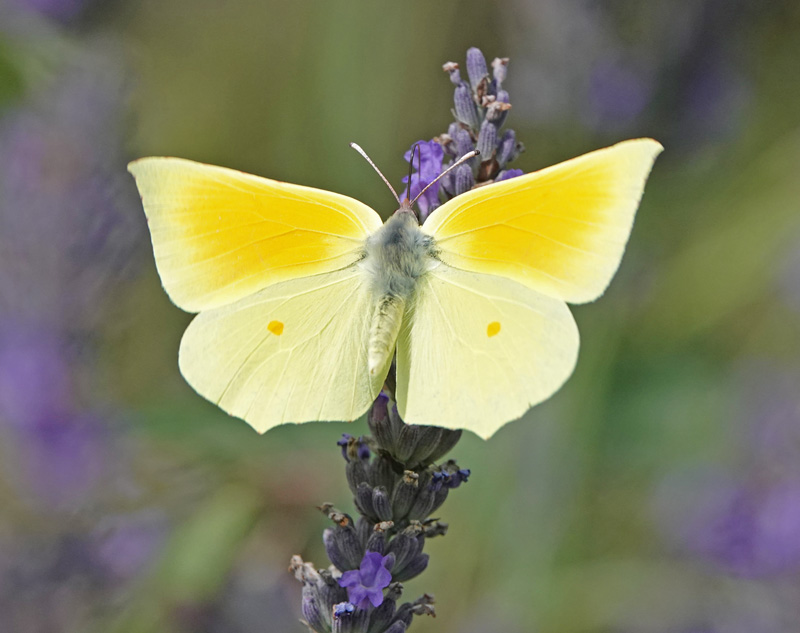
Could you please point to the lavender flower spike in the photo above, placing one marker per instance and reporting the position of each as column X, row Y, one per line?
column 365, row 585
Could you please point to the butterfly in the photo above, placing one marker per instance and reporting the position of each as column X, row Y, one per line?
column 306, row 296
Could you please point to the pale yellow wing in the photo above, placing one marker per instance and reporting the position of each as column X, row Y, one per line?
column 476, row 351
column 220, row 234
column 294, row 352
column 561, row 230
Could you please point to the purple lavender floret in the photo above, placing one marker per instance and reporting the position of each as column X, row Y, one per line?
column 508, row 173
column 365, row 585
column 429, row 154
column 343, row 443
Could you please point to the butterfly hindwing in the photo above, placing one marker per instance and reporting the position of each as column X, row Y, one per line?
column 561, row 230
column 294, row 352
column 476, row 351
column 220, row 235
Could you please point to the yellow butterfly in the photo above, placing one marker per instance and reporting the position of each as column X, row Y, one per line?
column 305, row 295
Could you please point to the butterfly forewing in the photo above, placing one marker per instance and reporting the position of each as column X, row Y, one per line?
column 220, row 235
column 561, row 230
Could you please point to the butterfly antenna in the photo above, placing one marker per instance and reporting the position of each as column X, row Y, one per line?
column 414, row 148
column 357, row 147
column 461, row 160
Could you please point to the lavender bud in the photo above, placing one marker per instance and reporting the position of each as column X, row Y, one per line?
column 439, row 497
column 382, row 503
column 422, row 505
column 329, row 592
column 405, row 546
column 312, row 613
column 403, row 616
column 406, row 442
column 377, row 540
column 487, row 140
column 345, row 543
column 378, row 421
column 508, row 173
column 384, row 614
column 404, row 494
column 463, row 141
column 360, row 621
column 464, row 179
column 452, row 132
column 382, row 473
column 397, row 627
column 363, row 499
column 356, row 473
column 304, row 572
column 497, row 112
column 445, row 444
column 427, row 442
column 364, row 529
column 452, row 69
column 343, row 616
column 413, row 569
column 332, row 550
column 507, row 149
column 447, row 182
column 465, row 109
column 500, row 69
column 476, row 66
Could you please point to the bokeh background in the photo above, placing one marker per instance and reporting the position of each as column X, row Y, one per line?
column 658, row 491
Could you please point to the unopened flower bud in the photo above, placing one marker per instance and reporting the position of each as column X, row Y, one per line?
column 500, row 69
column 452, row 69
column 405, row 491
column 465, row 108
column 464, row 179
column 363, row 499
column 476, row 66
column 377, row 540
column 382, row 503
column 487, row 140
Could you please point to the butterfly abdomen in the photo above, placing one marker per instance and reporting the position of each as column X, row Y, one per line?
column 384, row 330
column 397, row 255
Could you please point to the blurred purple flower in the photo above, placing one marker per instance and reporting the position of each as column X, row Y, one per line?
column 58, row 450
column 34, row 376
column 69, row 216
column 70, row 225
column 747, row 522
column 58, row 9
column 742, row 528
column 508, row 173
column 127, row 543
column 618, row 94
column 430, row 155
column 365, row 585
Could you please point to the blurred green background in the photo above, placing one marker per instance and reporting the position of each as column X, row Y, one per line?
column 659, row 490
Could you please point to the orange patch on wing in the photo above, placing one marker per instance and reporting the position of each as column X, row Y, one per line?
column 276, row 327
column 493, row 329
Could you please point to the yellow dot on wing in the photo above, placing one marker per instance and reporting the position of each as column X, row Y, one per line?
column 493, row 329
column 276, row 327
